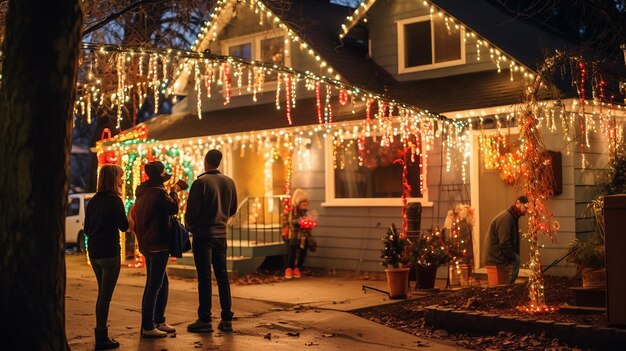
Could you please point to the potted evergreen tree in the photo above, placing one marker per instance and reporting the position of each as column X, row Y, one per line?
column 394, row 257
column 428, row 252
column 588, row 255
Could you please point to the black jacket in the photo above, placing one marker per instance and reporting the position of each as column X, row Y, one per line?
column 153, row 208
column 212, row 200
column 502, row 242
column 104, row 218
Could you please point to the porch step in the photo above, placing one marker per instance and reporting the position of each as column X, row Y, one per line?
column 185, row 266
column 252, row 248
column 177, row 270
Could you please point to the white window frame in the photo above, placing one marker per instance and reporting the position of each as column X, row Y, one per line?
column 332, row 201
column 255, row 41
column 402, row 52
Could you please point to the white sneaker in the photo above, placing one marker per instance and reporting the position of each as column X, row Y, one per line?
column 153, row 333
column 166, row 328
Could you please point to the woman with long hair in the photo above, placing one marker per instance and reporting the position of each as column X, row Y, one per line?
column 104, row 218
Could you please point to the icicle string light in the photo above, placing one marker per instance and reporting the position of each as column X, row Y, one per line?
column 226, row 82
column 288, row 100
column 225, row 63
column 318, row 102
column 198, row 91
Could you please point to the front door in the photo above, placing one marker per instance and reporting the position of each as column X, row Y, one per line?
column 495, row 195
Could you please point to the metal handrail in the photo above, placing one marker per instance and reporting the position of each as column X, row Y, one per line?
column 257, row 222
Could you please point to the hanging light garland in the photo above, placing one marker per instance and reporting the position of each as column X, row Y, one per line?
column 203, row 65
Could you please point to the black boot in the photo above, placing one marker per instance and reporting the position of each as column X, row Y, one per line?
column 103, row 342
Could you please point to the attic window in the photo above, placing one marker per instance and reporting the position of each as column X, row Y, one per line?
column 264, row 46
column 243, row 50
column 273, row 50
column 269, row 47
column 426, row 43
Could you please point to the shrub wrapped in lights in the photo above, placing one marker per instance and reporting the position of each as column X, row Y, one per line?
column 393, row 252
column 429, row 249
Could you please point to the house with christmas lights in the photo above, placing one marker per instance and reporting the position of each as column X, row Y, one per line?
column 366, row 110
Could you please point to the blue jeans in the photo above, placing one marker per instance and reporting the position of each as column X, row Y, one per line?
column 209, row 252
column 514, row 268
column 155, row 294
column 107, row 270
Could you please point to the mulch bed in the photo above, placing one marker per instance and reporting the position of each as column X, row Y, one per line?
column 408, row 315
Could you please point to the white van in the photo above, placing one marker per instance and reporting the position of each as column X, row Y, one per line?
column 75, row 219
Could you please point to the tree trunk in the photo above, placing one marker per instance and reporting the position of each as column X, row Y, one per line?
column 37, row 91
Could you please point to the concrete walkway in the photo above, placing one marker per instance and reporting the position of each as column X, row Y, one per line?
column 286, row 315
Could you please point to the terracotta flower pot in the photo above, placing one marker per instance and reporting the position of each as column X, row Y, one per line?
column 459, row 275
column 398, row 282
column 594, row 278
column 499, row 275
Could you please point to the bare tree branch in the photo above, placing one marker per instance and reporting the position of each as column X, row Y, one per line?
column 118, row 14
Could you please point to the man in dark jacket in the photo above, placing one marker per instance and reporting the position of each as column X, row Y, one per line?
column 502, row 243
column 212, row 201
column 153, row 209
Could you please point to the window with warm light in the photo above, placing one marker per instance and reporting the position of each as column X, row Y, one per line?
column 368, row 172
column 426, row 43
column 273, row 50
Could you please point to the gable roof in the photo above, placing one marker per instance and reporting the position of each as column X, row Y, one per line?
column 528, row 43
column 316, row 22
column 460, row 92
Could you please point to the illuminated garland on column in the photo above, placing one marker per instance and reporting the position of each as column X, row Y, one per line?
column 536, row 183
column 406, row 189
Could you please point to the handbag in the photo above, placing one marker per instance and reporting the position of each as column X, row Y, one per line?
column 179, row 239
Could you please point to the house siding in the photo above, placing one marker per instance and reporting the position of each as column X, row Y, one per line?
column 382, row 18
column 562, row 208
column 588, row 180
column 349, row 238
